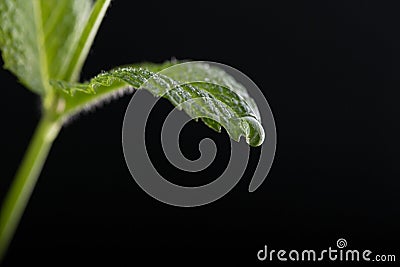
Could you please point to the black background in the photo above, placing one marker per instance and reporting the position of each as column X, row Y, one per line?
column 330, row 71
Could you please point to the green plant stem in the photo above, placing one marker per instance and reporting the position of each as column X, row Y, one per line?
column 25, row 179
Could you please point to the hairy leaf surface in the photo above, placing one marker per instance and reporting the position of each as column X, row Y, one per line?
column 201, row 90
column 38, row 38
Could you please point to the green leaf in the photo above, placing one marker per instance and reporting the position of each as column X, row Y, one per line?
column 38, row 38
column 86, row 40
column 201, row 90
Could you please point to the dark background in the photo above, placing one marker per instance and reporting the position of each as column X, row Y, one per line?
column 330, row 71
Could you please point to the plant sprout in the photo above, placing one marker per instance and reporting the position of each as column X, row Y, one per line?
column 45, row 43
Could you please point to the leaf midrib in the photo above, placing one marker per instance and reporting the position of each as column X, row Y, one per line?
column 86, row 39
column 41, row 46
column 54, row 18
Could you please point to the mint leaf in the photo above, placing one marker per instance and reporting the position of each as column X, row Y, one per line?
column 199, row 89
column 38, row 38
column 86, row 40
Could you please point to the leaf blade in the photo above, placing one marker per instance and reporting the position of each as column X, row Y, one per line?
column 37, row 36
column 213, row 101
column 19, row 44
column 62, row 31
column 86, row 39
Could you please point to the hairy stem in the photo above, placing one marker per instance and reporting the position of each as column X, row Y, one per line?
column 25, row 179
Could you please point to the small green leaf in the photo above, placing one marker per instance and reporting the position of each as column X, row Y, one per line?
column 201, row 90
column 38, row 38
